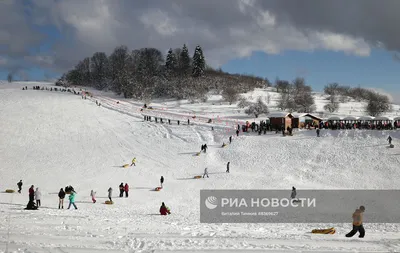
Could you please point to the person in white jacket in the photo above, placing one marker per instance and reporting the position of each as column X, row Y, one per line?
column 38, row 196
column 93, row 195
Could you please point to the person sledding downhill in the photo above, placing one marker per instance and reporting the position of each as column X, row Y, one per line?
column 164, row 210
column 134, row 161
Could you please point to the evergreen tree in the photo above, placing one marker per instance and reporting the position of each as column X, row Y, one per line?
column 184, row 62
column 199, row 63
column 171, row 64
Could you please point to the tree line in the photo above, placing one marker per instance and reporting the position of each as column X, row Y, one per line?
column 145, row 74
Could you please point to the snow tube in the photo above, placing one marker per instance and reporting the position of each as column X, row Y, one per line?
column 10, row 191
column 328, row 231
column 126, row 165
column 108, row 202
column 157, row 189
column 197, row 177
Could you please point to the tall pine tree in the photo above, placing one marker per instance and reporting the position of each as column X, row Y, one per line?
column 171, row 64
column 199, row 63
column 184, row 62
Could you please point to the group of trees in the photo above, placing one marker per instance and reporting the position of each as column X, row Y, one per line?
column 376, row 104
column 142, row 73
column 295, row 96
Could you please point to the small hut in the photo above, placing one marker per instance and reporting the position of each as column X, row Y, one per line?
column 280, row 119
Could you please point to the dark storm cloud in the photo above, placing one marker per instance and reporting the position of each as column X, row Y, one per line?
column 226, row 29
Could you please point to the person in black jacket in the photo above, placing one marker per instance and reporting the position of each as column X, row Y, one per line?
column 121, row 190
column 161, row 180
column 19, row 186
column 61, row 196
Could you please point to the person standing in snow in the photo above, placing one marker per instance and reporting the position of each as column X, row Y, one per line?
column 294, row 193
column 126, row 190
column 19, row 186
column 358, row 223
column 390, row 140
column 237, row 133
column 318, row 131
column 93, row 195
column 38, row 196
column 230, row 139
column 161, row 180
column 202, row 147
column 205, row 173
column 72, row 199
column 121, row 190
column 227, row 167
column 205, row 148
column 61, row 196
column 110, row 190
column 31, row 194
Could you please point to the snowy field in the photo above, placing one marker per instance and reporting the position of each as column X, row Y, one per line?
column 54, row 139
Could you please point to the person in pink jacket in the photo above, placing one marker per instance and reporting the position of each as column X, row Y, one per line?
column 126, row 190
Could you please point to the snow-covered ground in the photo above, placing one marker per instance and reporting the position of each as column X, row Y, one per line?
column 54, row 139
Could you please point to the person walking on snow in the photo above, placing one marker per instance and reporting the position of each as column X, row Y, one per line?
column 390, row 140
column 358, row 223
column 38, row 196
column 230, row 139
column 318, row 131
column 110, row 193
column 205, row 148
column 93, row 195
column 61, row 196
column 126, row 190
column 227, row 167
column 72, row 200
column 237, row 133
column 19, row 186
column 161, row 180
column 121, row 190
column 31, row 194
column 134, row 161
column 205, row 173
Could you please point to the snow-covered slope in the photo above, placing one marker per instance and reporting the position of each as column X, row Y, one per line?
column 53, row 139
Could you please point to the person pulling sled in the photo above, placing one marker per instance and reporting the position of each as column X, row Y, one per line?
column 134, row 161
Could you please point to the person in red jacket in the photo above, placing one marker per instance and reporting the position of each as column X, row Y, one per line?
column 126, row 189
column 164, row 210
column 31, row 194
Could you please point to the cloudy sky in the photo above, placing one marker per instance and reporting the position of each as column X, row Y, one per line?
column 350, row 42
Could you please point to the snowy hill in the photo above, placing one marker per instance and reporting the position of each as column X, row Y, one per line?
column 53, row 139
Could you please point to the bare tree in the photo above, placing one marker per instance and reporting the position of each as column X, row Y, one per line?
column 243, row 103
column 257, row 108
column 230, row 95
column 377, row 104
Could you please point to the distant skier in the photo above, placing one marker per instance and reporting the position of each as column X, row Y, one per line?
column 357, row 223
column 110, row 190
column 318, row 131
column 61, row 196
column 38, row 196
column 230, row 139
column 205, row 173
column 72, row 199
column 164, row 210
column 31, row 194
column 390, row 140
column 227, row 167
column 134, row 161
column 19, row 186
column 161, row 180
column 121, row 190
column 126, row 190
column 93, row 195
